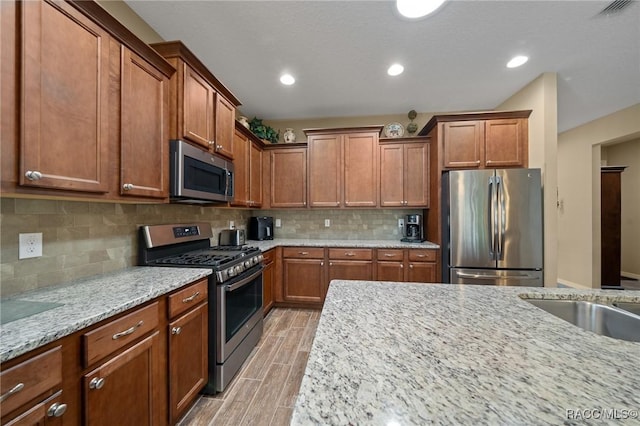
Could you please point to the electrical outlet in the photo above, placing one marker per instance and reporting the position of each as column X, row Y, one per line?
column 400, row 223
column 278, row 223
column 327, row 223
column 232, row 225
column 30, row 245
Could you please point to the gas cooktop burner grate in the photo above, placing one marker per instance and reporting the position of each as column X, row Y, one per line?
column 195, row 259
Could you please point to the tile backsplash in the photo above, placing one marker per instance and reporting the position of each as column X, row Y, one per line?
column 81, row 239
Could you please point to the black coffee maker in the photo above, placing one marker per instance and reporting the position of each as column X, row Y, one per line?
column 261, row 228
column 413, row 231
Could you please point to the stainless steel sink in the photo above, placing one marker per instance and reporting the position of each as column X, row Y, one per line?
column 601, row 319
column 632, row 307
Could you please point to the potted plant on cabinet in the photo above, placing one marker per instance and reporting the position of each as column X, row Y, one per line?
column 263, row 131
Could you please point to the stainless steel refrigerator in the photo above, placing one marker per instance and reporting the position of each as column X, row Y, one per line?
column 492, row 227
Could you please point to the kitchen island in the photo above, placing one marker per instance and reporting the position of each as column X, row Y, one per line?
column 399, row 354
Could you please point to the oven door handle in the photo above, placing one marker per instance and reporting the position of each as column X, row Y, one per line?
column 244, row 281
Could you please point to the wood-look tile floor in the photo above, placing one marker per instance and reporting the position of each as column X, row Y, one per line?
column 265, row 390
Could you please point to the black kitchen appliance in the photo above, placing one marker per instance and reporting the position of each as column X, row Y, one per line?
column 261, row 228
column 413, row 231
column 234, row 288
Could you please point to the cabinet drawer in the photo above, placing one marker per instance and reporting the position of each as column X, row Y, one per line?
column 350, row 254
column 269, row 256
column 422, row 255
column 118, row 333
column 35, row 376
column 303, row 252
column 391, row 254
column 188, row 297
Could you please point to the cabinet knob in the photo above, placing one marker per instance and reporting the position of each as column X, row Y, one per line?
column 401, row 266
column 321, row 263
column 56, row 410
column 96, row 383
column 330, row 263
column 176, row 330
column 410, row 266
column 212, row 143
column 127, row 186
column 33, row 175
column 218, row 147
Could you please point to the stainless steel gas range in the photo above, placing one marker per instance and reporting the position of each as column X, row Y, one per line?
column 235, row 290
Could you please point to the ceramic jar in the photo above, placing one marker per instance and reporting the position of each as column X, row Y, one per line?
column 289, row 136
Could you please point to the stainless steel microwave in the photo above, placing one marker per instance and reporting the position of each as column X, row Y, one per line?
column 197, row 176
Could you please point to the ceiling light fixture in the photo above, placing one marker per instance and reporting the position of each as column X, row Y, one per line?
column 516, row 61
column 417, row 8
column 287, row 79
column 395, row 69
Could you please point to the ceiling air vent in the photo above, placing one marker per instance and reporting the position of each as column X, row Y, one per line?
column 615, row 7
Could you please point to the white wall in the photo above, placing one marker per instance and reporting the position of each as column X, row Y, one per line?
column 541, row 96
column 579, row 193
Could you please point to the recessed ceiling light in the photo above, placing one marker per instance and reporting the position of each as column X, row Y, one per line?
column 395, row 69
column 516, row 61
column 287, row 79
column 417, row 8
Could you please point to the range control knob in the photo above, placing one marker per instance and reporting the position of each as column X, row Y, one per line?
column 260, row 258
column 238, row 269
column 231, row 272
column 247, row 263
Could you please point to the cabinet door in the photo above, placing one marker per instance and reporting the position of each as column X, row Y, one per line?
column 124, row 390
column 255, row 175
column 242, row 170
column 65, row 89
column 390, row 271
column 325, row 170
column 350, row 270
column 144, row 128
column 463, row 144
column 416, row 175
column 504, row 144
column 360, row 160
column 289, row 178
column 422, row 272
column 303, row 280
column 188, row 361
column 198, row 113
column 224, row 126
column 268, row 281
column 392, row 175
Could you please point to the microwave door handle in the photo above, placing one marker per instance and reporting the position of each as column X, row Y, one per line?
column 227, row 190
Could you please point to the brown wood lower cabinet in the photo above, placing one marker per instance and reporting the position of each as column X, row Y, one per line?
column 268, row 280
column 407, row 265
column 43, row 413
column 123, row 390
column 350, row 264
column 303, row 275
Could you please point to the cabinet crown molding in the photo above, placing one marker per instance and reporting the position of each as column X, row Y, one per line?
column 321, row 131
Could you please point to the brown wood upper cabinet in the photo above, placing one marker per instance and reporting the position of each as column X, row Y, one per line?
column 248, row 168
column 343, row 166
column 491, row 143
column 64, row 109
column 287, row 171
column 404, row 173
column 145, row 130
column 202, row 109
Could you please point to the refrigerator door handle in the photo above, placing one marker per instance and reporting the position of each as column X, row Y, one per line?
column 491, row 277
column 501, row 217
column 491, row 223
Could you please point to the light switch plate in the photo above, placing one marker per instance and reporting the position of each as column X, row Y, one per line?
column 327, row 223
column 278, row 223
column 400, row 223
column 232, row 225
column 30, row 245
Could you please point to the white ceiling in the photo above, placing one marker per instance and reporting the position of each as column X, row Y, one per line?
column 454, row 60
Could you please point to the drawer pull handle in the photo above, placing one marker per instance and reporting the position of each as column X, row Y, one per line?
column 422, row 255
column 17, row 388
column 304, row 253
column 127, row 332
column 176, row 330
column 56, row 410
column 349, row 253
column 96, row 383
column 191, row 298
column 389, row 255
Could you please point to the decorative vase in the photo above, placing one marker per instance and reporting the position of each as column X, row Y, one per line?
column 289, row 136
column 244, row 121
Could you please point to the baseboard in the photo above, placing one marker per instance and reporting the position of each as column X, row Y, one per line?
column 630, row 275
column 570, row 284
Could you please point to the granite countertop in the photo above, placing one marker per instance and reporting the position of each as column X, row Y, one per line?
column 86, row 302
column 284, row 242
column 414, row 354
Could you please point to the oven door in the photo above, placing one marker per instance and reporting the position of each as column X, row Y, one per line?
column 239, row 310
